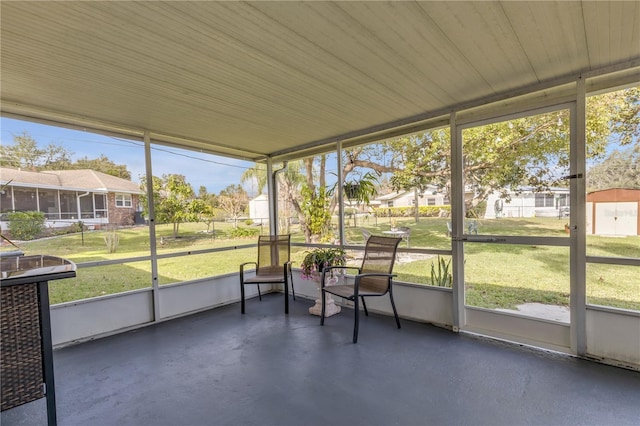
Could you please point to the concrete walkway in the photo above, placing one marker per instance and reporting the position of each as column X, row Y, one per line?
column 540, row 310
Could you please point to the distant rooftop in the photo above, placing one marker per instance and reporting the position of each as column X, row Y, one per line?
column 86, row 180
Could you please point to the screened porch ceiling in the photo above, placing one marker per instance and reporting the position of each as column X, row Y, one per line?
column 258, row 79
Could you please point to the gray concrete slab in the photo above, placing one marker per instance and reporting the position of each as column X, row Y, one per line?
column 264, row 368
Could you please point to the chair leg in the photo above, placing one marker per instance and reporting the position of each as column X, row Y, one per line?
column 364, row 305
column 393, row 305
column 356, row 308
column 259, row 295
column 286, row 298
column 293, row 290
column 323, row 307
column 242, row 297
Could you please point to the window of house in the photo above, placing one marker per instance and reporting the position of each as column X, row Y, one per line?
column 563, row 200
column 389, row 203
column 123, row 200
column 48, row 203
column 86, row 206
column 100, row 201
column 68, row 205
column 431, row 201
column 544, row 200
column 25, row 199
column 6, row 202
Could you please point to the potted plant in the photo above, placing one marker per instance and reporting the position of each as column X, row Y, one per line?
column 312, row 265
column 362, row 189
column 315, row 260
column 359, row 190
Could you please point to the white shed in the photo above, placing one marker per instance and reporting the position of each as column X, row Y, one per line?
column 613, row 212
column 259, row 209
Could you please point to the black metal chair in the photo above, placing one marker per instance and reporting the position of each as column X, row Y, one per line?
column 374, row 278
column 273, row 267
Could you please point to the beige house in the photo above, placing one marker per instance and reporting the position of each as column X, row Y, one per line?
column 67, row 196
column 430, row 197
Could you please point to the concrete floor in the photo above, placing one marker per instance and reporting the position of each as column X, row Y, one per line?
column 264, row 368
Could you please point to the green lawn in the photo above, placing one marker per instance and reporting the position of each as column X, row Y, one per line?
column 496, row 275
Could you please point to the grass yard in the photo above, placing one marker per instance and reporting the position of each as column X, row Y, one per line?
column 496, row 275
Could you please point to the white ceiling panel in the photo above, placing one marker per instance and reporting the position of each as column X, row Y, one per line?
column 257, row 78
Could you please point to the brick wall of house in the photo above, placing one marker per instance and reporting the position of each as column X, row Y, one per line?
column 121, row 216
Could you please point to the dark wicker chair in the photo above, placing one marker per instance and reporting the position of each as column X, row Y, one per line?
column 273, row 267
column 373, row 278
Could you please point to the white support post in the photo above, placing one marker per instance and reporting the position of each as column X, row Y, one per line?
column 457, row 221
column 340, row 196
column 152, row 228
column 578, row 299
column 273, row 198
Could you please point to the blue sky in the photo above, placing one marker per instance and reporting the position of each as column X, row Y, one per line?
column 214, row 172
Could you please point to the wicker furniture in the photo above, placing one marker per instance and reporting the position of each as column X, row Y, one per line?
column 273, row 267
column 26, row 357
column 373, row 278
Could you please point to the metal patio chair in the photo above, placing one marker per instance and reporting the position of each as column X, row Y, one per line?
column 406, row 233
column 273, row 267
column 373, row 278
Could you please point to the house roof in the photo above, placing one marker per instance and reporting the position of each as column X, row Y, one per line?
column 391, row 196
column 78, row 180
column 251, row 79
column 533, row 189
column 261, row 197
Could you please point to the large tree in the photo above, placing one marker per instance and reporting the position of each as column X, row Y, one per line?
column 302, row 185
column 530, row 151
column 104, row 165
column 174, row 201
column 621, row 169
column 25, row 153
column 234, row 201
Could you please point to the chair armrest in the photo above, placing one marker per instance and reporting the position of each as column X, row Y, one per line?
column 376, row 274
column 372, row 274
column 325, row 269
column 242, row 265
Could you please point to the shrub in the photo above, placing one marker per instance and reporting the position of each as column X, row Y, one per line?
column 26, row 225
column 477, row 211
column 441, row 277
column 244, row 232
column 111, row 239
column 349, row 211
column 409, row 211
